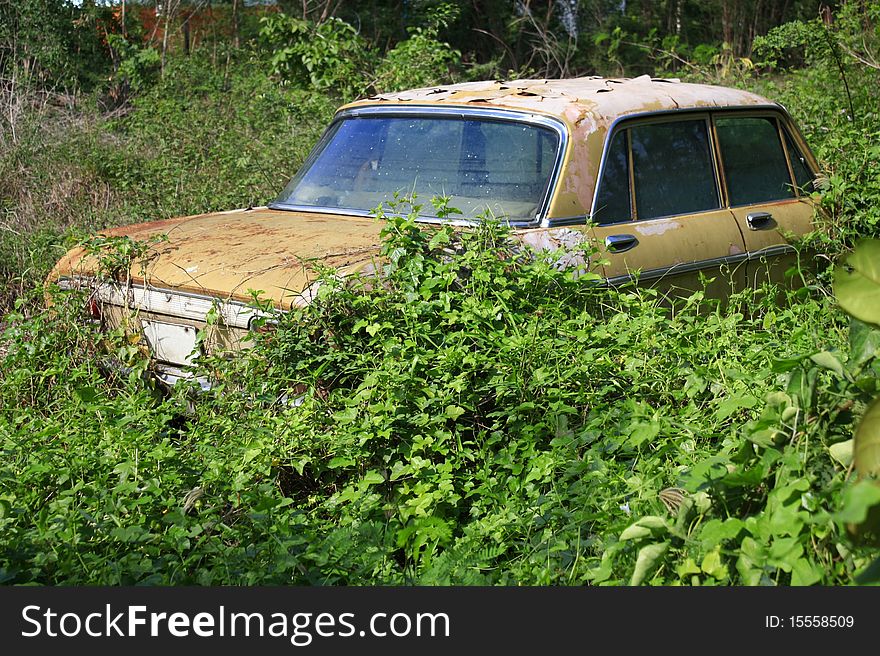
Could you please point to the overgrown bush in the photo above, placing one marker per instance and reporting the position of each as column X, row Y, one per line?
column 332, row 57
column 469, row 414
column 421, row 59
column 329, row 56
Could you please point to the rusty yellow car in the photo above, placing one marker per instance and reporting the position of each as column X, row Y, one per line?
column 668, row 179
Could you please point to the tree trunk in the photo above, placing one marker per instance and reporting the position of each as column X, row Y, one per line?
column 235, row 28
column 726, row 23
column 186, row 35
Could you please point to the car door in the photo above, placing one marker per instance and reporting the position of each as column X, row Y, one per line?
column 658, row 210
column 767, row 180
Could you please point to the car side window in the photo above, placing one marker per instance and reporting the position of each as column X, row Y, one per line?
column 612, row 199
column 802, row 174
column 754, row 163
column 673, row 172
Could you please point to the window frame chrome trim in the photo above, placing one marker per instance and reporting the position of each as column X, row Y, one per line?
column 451, row 111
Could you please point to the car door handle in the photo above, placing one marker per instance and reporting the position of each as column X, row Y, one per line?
column 620, row 243
column 760, row 220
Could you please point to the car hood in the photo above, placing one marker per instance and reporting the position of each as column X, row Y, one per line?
column 227, row 254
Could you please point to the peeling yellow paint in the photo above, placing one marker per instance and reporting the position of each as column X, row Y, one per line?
column 656, row 227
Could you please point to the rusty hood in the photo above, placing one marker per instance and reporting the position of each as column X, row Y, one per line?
column 227, row 254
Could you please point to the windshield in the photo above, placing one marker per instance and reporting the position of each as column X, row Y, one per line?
column 480, row 164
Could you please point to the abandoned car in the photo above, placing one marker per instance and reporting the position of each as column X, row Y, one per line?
column 668, row 179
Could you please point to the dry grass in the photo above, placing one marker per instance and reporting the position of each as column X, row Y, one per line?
column 45, row 191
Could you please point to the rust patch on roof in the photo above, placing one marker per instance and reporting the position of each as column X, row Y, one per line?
column 606, row 98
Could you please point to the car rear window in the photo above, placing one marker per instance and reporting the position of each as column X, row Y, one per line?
column 754, row 163
column 504, row 167
column 802, row 174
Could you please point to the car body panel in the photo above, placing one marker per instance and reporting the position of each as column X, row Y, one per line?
column 771, row 252
column 225, row 254
column 671, row 252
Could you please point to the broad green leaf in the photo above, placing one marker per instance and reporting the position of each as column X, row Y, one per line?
column 687, row 568
column 842, row 452
column 642, row 432
column 373, row 477
column 750, row 564
column 454, row 412
column 635, row 532
column 603, row 572
column 346, row 415
column 643, row 528
column 715, row 531
column 652, row 522
column 784, row 552
column 864, row 342
column 399, row 469
column 250, row 454
column 786, row 364
column 705, row 472
column 731, row 405
column 828, row 360
column 858, row 499
column 646, row 560
column 858, row 291
column 866, row 444
column 86, row 394
column 713, row 566
column 803, row 572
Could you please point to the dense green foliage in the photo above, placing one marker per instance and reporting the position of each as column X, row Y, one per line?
column 479, row 416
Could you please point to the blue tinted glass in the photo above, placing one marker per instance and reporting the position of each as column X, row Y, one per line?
column 504, row 167
column 612, row 201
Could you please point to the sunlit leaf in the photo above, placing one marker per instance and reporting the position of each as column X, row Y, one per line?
column 643, row 528
column 646, row 560
column 858, row 290
column 373, row 478
column 713, row 566
column 842, row 452
column 828, row 360
column 866, row 449
column 803, row 572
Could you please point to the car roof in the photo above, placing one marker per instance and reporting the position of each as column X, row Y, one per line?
column 588, row 105
column 601, row 99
